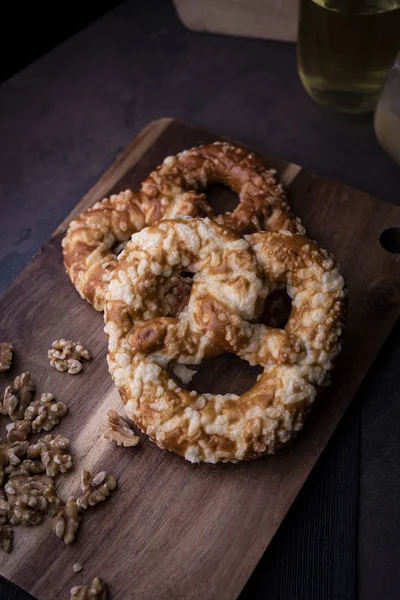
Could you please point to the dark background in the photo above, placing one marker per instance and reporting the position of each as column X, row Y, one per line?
column 30, row 29
column 64, row 118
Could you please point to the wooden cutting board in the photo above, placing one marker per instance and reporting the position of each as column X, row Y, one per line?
column 174, row 530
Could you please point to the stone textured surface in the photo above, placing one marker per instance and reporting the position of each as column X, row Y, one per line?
column 63, row 121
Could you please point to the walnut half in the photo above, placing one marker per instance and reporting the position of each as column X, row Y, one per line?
column 45, row 413
column 97, row 590
column 6, row 538
column 66, row 355
column 52, row 451
column 6, row 354
column 17, row 397
column 31, row 498
column 118, row 429
column 18, row 431
column 66, row 522
column 95, row 488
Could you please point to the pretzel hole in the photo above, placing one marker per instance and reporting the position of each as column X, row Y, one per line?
column 118, row 247
column 221, row 198
column 390, row 240
column 277, row 308
column 223, row 374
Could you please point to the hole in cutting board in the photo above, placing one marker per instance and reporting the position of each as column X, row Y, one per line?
column 390, row 240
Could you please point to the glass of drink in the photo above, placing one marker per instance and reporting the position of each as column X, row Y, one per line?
column 345, row 48
column 387, row 114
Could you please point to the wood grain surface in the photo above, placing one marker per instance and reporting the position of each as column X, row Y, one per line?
column 174, row 530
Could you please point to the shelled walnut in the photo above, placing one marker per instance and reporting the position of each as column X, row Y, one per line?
column 118, row 429
column 27, row 467
column 6, row 355
column 52, row 451
column 18, row 431
column 66, row 355
column 31, row 498
column 6, row 537
column 16, row 451
column 5, row 510
column 45, row 413
column 66, row 522
column 97, row 590
column 17, row 397
column 95, row 488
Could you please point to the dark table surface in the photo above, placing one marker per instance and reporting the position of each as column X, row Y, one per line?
column 63, row 120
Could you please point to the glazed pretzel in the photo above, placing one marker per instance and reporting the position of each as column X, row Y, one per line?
column 262, row 202
column 226, row 297
column 170, row 191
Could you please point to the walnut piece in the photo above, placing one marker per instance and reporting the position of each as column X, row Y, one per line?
column 6, row 354
column 77, row 567
column 18, row 431
column 6, row 538
column 26, row 467
column 17, row 397
column 52, row 451
column 16, row 451
column 66, row 522
column 95, row 488
column 118, row 429
column 31, row 498
column 66, row 355
column 97, row 590
column 5, row 510
column 45, row 413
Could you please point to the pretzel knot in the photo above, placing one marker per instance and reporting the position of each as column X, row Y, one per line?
column 92, row 241
column 232, row 277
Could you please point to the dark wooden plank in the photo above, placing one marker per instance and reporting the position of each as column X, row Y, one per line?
column 175, row 530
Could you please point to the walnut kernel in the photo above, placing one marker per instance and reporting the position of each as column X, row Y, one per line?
column 97, row 590
column 17, row 397
column 118, row 429
column 52, row 451
column 45, row 413
column 6, row 538
column 6, row 354
column 66, row 355
column 95, row 488
column 18, row 431
column 66, row 522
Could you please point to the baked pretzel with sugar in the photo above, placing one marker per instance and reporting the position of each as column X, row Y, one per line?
column 232, row 277
column 89, row 246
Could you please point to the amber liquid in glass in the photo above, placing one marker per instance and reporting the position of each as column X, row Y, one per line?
column 345, row 48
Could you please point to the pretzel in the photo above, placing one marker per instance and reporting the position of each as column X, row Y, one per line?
column 89, row 246
column 226, row 298
column 262, row 202
column 91, row 243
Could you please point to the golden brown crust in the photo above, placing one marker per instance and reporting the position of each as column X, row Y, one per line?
column 262, row 202
column 88, row 244
column 173, row 189
column 226, row 298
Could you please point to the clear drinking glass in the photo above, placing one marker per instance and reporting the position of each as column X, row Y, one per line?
column 387, row 113
column 345, row 48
